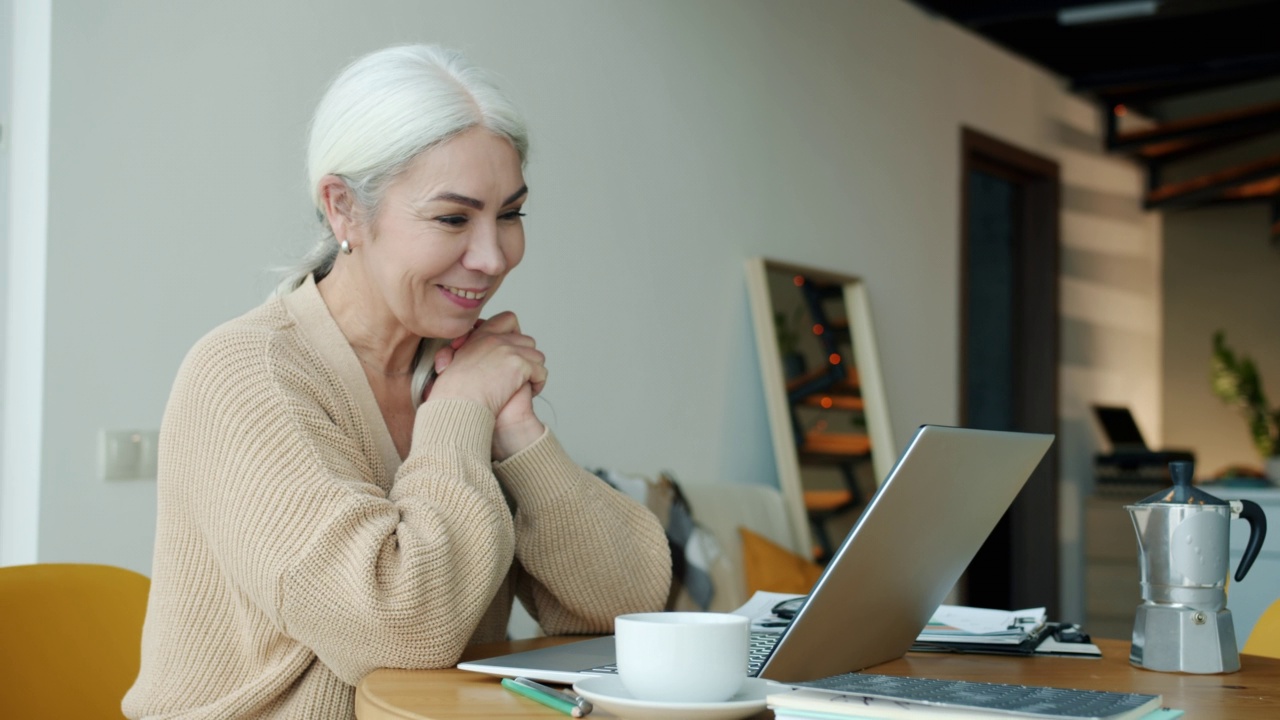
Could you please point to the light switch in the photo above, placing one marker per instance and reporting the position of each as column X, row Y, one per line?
column 127, row 454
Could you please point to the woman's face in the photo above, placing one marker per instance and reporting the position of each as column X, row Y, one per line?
column 448, row 231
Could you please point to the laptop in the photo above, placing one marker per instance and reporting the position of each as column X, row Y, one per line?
column 908, row 548
column 1130, row 459
column 1121, row 429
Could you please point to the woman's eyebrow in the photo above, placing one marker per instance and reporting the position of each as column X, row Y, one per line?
column 459, row 199
column 478, row 204
column 524, row 190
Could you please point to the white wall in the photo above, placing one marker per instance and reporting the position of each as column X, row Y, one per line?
column 6, row 78
column 25, row 254
column 1221, row 272
column 671, row 140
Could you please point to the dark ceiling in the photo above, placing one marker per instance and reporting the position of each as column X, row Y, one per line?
column 1207, row 72
column 1184, row 45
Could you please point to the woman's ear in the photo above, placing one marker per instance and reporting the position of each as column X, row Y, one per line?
column 339, row 207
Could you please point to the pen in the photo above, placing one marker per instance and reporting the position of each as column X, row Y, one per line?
column 550, row 697
column 583, row 704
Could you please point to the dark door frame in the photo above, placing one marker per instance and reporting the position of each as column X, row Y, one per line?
column 1018, row 566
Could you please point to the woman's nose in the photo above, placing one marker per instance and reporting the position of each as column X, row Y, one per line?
column 484, row 252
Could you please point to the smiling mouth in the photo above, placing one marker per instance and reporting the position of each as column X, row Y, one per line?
column 468, row 294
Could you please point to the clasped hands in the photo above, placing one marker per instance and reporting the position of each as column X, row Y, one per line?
column 501, row 368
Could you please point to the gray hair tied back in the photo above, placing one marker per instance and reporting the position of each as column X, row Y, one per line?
column 380, row 113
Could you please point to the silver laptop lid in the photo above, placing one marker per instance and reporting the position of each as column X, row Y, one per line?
column 906, row 551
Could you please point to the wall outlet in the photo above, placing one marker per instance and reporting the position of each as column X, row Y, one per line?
column 127, row 454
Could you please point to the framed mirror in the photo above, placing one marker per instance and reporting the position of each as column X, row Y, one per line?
column 822, row 385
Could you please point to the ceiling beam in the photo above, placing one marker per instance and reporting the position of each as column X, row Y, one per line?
column 1179, row 138
column 1264, row 189
column 1143, row 84
column 1166, row 152
column 1215, row 186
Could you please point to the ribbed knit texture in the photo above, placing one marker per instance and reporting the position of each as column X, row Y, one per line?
column 295, row 553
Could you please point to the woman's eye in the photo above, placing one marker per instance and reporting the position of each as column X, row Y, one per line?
column 453, row 220
column 512, row 215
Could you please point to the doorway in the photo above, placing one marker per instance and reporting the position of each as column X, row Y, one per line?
column 1009, row 354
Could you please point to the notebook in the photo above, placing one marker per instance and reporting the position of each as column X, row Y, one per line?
column 915, row 538
column 862, row 695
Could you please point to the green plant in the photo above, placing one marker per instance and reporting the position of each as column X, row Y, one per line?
column 1236, row 382
column 788, row 335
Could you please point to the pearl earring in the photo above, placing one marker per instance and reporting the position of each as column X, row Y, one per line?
column 345, row 247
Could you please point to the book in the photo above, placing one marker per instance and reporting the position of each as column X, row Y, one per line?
column 886, row 697
column 788, row 714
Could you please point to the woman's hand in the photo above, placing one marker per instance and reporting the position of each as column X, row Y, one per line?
column 501, row 368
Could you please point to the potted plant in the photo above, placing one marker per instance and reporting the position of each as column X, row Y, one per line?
column 793, row 362
column 1236, row 382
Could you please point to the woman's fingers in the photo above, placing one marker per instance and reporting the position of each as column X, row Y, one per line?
column 490, row 364
column 462, row 339
column 534, row 368
column 503, row 322
column 537, row 386
column 443, row 357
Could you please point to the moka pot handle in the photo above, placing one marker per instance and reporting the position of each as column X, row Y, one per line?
column 1252, row 512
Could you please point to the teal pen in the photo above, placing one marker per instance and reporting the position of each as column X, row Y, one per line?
column 552, row 701
column 570, row 698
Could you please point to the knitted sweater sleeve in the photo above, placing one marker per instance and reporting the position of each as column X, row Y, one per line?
column 276, row 472
column 588, row 552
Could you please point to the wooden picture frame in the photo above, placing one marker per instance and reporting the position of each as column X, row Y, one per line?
column 784, row 427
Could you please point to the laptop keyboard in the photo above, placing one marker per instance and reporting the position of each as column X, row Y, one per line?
column 758, row 649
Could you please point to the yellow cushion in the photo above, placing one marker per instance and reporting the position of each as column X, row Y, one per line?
column 767, row 565
column 1264, row 639
column 70, row 639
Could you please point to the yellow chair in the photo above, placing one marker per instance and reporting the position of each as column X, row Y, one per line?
column 70, row 639
column 1264, row 639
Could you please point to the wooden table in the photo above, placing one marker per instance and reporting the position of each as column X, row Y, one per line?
column 1253, row 692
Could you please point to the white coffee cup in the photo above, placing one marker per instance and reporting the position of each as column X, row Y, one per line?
column 686, row 657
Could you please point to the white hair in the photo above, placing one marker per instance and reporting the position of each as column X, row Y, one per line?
column 379, row 114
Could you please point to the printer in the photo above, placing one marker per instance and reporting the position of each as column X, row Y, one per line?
column 1131, row 461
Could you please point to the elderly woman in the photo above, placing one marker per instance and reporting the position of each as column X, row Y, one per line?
column 352, row 475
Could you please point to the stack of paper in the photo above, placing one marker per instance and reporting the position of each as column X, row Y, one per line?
column 968, row 625
column 759, row 610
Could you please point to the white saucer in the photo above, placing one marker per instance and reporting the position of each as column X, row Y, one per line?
column 608, row 693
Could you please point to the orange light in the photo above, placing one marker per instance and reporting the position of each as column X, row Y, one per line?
column 818, row 329
column 798, row 280
column 1120, row 110
column 826, row 403
column 834, row 358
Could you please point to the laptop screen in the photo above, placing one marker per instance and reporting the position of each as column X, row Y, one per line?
column 1121, row 430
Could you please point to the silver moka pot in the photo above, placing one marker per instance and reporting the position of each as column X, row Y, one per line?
column 1183, row 624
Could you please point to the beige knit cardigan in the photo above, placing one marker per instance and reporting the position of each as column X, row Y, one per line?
column 295, row 552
